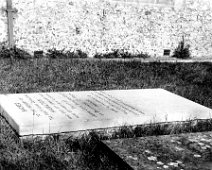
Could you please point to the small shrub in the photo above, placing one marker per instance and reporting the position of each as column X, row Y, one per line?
column 71, row 54
column 126, row 55
column 143, row 55
column 54, row 53
column 15, row 52
column 182, row 51
column 123, row 132
column 20, row 53
column 98, row 55
column 121, row 54
column 80, row 54
column 4, row 52
column 114, row 54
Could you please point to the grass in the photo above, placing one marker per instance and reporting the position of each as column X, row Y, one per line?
column 51, row 153
column 156, row 129
column 191, row 80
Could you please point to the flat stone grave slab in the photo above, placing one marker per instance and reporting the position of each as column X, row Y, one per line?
column 172, row 152
column 56, row 112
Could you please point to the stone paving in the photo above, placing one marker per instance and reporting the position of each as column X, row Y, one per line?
column 184, row 151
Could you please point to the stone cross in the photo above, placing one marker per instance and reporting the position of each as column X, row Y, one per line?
column 10, row 11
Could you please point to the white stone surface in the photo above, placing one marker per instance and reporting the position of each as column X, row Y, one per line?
column 178, row 4
column 43, row 113
column 100, row 26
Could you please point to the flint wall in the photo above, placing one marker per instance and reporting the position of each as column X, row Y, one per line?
column 102, row 25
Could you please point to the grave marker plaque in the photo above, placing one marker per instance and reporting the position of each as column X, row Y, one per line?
column 44, row 113
column 166, row 52
column 38, row 54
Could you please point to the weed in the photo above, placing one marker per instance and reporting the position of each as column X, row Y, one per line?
column 71, row 54
column 4, row 52
column 156, row 129
column 80, row 54
column 54, row 53
column 120, row 54
column 182, row 51
column 14, row 53
column 123, row 132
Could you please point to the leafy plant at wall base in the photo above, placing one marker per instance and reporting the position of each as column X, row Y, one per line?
column 54, row 53
column 126, row 55
column 19, row 53
column 143, row 55
column 15, row 52
column 81, row 54
column 4, row 52
column 70, row 54
column 98, row 55
column 121, row 54
column 182, row 51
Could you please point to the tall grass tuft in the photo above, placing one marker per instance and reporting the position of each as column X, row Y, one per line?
column 182, row 51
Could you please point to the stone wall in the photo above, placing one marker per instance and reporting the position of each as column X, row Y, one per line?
column 102, row 25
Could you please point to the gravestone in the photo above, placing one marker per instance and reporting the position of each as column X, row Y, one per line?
column 55, row 112
column 38, row 54
column 166, row 52
column 162, row 152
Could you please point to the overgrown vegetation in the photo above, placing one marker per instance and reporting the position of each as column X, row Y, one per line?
column 17, row 53
column 182, row 51
column 13, row 53
column 85, row 152
column 51, row 153
column 156, row 129
column 121, row 54
column 191, row 80
column 54, row 53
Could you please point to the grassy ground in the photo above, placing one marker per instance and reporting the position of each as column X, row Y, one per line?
column 191, row 80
